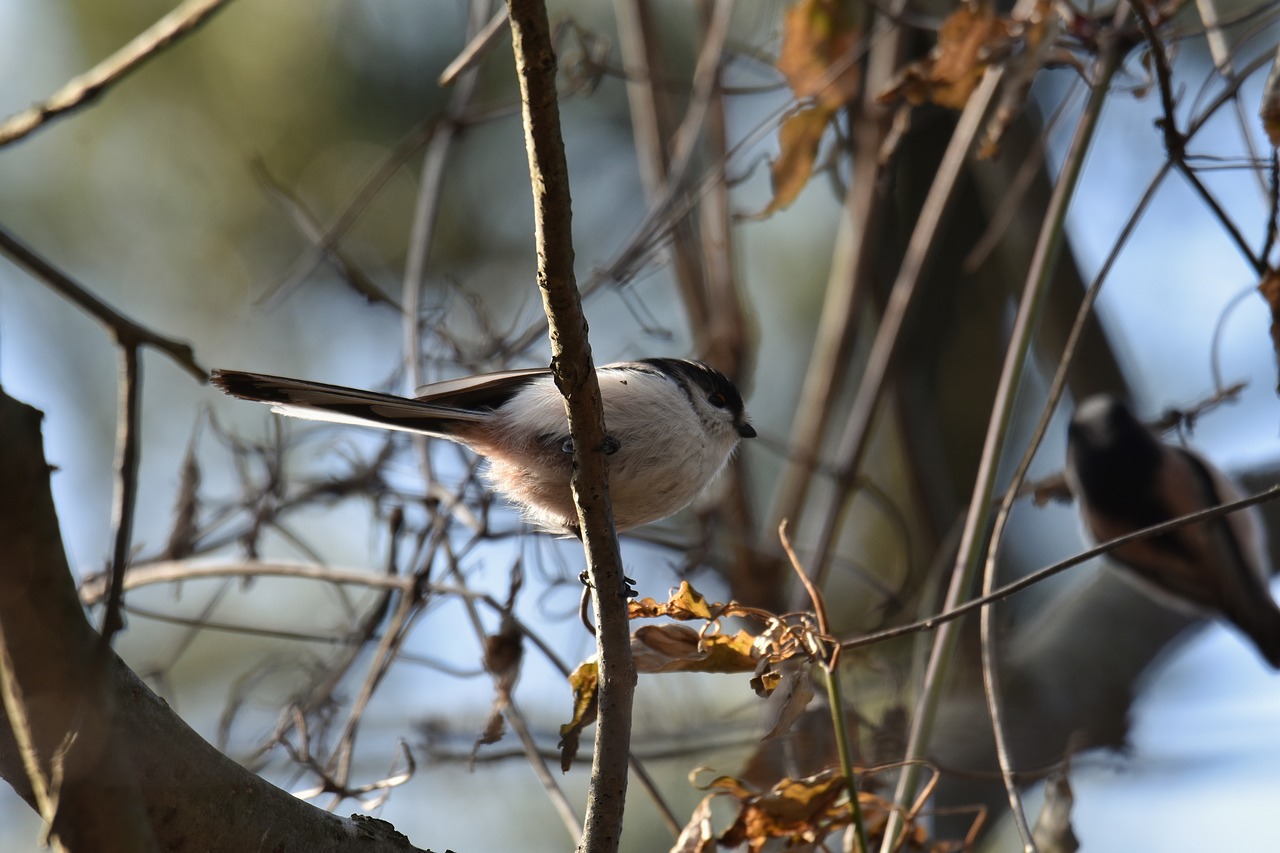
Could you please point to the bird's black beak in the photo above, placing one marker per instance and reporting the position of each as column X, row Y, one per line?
column 746, row 430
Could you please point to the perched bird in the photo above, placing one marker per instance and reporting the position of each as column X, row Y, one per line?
column 1125, row 478
column 672, row 425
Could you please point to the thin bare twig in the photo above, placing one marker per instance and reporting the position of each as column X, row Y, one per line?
column 889, row 339
column 575, row 377
column 477, row 46
column 325, row 247
column 1176, row 141
column 1039, row 280
column 884, row 350
column 1047, row 572
column 125, row 331
column 91, row 85
column 128, row 453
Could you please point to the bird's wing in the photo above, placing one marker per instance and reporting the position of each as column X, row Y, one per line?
column 483, row 391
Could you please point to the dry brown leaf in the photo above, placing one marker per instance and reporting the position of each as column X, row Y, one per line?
column 788, row 704
column 798, row 140
column 804, row 811
column 967, row 41
column 1038, row 34
column 1269, row 287
column 678, row 648
column 494, row 728
column 503, row 652
column 764, row 683
column 797, row 809
column 685, row 603
column 819, row 46
column 1270, row 110
column 698, row 835
column 585, row 680
column 819, row 38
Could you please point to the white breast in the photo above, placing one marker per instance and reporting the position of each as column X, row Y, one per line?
column 666, row 456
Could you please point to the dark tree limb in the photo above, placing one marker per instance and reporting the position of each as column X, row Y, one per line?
column 83, row 737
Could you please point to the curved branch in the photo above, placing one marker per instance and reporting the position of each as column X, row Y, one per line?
column 133, row 775
column 125, row 331
column 89, row 86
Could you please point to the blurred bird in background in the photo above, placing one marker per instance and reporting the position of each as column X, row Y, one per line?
column 1125, row 478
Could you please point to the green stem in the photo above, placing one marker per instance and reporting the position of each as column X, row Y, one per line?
column 836, row 700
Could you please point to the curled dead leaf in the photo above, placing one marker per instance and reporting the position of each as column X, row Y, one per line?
column 818, row 58
column 685, row 603
column 698, row 835
column 503, row 652
column 1269, row 112
column 585, row 681
column 819, row 45
column 801, row 810
column 678, row 648
column 798, row 141
column 1269, row 287
column 786, row 705
column 967, row 42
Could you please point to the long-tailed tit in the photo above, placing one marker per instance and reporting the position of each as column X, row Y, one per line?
column 671, row 424
column 1125, row 479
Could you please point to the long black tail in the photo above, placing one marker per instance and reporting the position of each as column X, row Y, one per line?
column 334, row 403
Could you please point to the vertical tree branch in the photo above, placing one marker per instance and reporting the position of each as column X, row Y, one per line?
column 125, row 500
column 1039, row 280
column 887, row 344
column 575, row 377
column 970, row 554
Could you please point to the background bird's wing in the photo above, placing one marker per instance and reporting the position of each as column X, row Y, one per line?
column 1209, row 565
column 336, row 404
column 1236, row 541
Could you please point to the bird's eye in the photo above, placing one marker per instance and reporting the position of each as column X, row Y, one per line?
column 718, row 400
